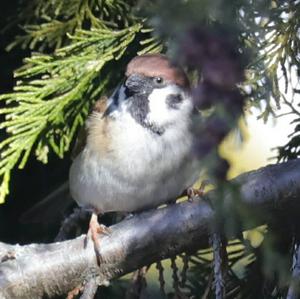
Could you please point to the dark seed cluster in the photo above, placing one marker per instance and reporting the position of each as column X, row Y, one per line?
column 217, row 59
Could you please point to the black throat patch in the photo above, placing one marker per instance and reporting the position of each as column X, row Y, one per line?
column 139, row 109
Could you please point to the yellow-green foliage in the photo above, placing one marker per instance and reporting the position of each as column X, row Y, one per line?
column 54, row 93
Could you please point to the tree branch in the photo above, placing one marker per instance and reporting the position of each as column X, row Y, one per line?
column 37, row 270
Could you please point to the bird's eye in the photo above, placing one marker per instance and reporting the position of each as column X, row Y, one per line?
column 158, row 80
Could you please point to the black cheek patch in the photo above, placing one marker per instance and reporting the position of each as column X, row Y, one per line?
column 139, row 109
column 173, row 100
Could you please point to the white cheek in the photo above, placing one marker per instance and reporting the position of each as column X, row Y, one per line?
column 159, row 111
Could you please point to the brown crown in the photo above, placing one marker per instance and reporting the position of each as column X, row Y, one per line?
column 157, row 65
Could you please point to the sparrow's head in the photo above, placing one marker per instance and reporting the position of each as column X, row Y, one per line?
column 153, row 71
column 155, row 92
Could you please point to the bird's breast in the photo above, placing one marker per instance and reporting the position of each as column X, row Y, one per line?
column 141, row 169
column 141, row 152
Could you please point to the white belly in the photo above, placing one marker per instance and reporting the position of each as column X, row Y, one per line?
column 144, row 171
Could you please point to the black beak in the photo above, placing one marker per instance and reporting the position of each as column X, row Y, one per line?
column 135, row 84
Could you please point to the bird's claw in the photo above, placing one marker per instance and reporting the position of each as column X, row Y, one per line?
column 74, row 292
column 96, row 229
column 102, row 229
column 192, row 193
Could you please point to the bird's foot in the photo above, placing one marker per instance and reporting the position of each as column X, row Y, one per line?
column 96, row 229
column 192, row 193
column 73, row 293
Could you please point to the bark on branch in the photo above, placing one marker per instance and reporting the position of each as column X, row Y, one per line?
column 37, row 270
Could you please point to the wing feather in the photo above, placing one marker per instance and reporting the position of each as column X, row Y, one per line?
column 99, row 107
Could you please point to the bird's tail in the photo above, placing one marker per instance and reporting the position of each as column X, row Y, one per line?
column 52, row 208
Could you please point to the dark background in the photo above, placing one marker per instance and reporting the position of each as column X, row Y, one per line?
column 30, row 185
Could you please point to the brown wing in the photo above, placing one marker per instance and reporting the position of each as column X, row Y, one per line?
column 100, row 106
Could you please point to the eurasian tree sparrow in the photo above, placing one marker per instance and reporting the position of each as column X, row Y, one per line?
column 138, row 151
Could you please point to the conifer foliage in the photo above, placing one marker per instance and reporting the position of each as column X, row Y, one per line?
column 54, row 92
column 78, row 51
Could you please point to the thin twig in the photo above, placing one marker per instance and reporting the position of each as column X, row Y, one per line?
column 138, row 283
column 220, row 264
column 175, row 276
column 185, row 260
column 208, row 286
column 161, row 279
column 290, row 105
